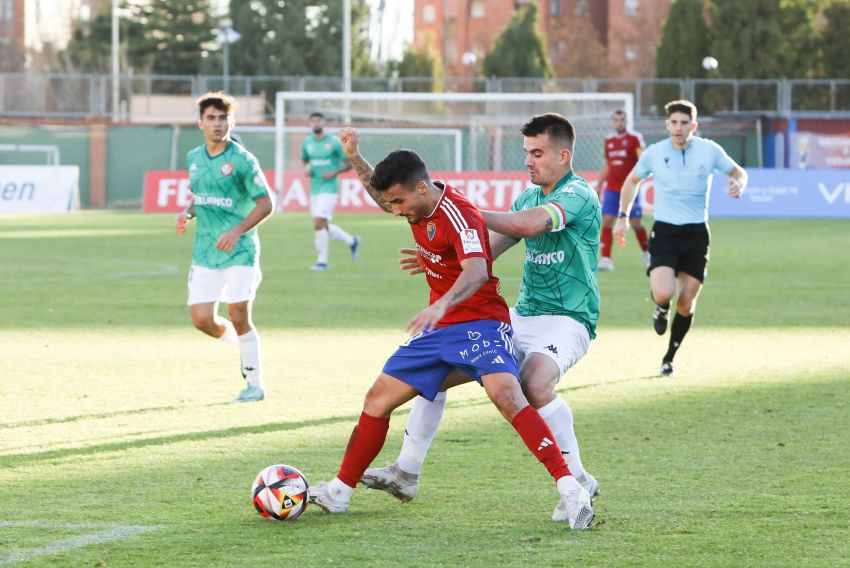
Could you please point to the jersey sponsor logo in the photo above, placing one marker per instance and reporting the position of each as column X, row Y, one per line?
column 473, row 335
column 556, row 257
column 470, row 241
column 431, row 229
column 428, row 255
column 552, row 348
column 432, row 274
column 226, row 169
column 213, row 200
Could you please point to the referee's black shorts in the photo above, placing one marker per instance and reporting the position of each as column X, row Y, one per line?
column 684, row 248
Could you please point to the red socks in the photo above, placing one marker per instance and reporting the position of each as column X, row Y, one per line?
column 539, row 439
column 642, row 239
column 606, row 239
column 365, row 444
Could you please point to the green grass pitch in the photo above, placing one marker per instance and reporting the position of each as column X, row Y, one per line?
column 118, row 447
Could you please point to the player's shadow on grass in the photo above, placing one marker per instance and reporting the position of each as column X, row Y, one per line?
column 101, row 415
column 13, row 460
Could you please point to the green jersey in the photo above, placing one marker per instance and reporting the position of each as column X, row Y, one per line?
column 559, row 277
column 225, row 188
column 323, row 156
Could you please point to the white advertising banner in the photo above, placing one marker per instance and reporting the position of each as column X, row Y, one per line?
column 39, row 189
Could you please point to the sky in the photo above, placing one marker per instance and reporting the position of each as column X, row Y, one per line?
column 397, row 28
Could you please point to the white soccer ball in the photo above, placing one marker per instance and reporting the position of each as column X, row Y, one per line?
column 709, row 63
column 280, row 492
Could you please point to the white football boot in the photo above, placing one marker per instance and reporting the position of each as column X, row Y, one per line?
column 320, row 494
column 574, row 507
column 400, row 484
column 591, row 486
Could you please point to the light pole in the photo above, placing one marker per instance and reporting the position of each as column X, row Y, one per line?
column 116, row 92
column 226, row 36
column 346, row 56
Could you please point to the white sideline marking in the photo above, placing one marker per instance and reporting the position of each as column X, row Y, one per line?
column 107, row 533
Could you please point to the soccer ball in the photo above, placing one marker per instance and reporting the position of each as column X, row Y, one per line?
column 709, row 63
column 280, row 492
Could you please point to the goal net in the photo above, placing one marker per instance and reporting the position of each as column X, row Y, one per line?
column 453, row 132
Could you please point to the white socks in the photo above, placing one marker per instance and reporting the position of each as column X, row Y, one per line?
column 229, row 336
column 559, row 417
column 421, row 426
column 249, row 349
column 321, row 240
column 338, row 234
column 567, row 485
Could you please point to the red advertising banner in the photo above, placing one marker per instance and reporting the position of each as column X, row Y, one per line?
column 168, row 191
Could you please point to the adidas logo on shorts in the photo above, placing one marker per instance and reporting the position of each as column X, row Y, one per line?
column 498, row 360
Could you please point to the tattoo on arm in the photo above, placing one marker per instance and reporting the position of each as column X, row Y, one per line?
column 459, row 296
column 364, row 172
column 548, row 226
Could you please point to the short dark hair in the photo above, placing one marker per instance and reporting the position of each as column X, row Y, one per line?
column 401, row 166
column 218, row 100
column 683, row 106
column 556, row 126
column 317, row 113
column 619, row 112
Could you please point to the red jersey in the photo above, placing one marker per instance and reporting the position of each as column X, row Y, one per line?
column 453, row 232
column 621, row 154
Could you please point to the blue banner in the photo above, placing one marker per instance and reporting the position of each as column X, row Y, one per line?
column 785, row 193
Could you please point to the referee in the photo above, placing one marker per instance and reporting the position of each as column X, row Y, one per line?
column 682, row 167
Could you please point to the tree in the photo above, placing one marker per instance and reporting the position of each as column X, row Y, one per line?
column 834, row 41
column 684, row 41
column 162, row 36
column 579, row 53
column 425, row 63
column 747, row 38
column 90, row 48
column 520, row 50
column 298, row 37
column 762, row 39
column 177, row 36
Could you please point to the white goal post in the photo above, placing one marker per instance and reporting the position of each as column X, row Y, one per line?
column 478, row 121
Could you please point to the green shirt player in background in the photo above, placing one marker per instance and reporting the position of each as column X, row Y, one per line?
column 555, row 316
column 323, row 161
column 230, row 198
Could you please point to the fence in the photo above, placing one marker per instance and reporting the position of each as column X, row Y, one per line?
column 76, row 96
column 113, row 159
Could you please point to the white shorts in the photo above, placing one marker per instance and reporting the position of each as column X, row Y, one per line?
column 560, row 337
column 233, row 284
column 322, row 205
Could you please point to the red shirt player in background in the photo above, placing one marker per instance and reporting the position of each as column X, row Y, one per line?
column 466, row 326
column 621, row 154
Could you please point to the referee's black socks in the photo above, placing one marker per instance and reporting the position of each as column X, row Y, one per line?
column 680, row 327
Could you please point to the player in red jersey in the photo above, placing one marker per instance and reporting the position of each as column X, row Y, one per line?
column 466, row 326
column 621, row 154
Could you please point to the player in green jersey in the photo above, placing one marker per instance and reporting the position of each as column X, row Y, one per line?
column 323, row 161
column 230, row 198
column 555, row 316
